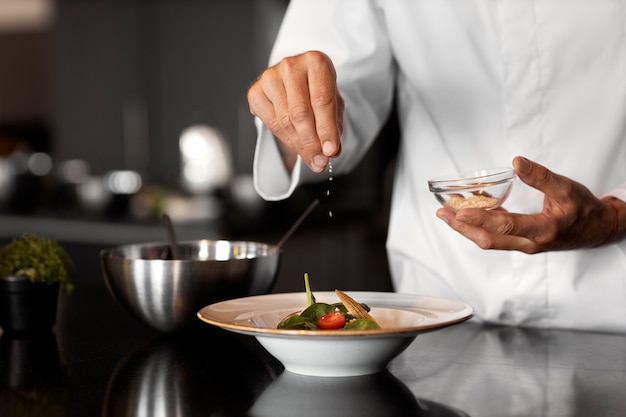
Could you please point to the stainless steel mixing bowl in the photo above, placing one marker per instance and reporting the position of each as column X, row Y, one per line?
column 167, row 294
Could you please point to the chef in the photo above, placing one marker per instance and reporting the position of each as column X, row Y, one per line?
column 537, row 85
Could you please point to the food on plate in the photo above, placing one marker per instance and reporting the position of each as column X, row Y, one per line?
column 347, row 314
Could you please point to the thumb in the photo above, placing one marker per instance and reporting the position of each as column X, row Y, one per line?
column 536, row 175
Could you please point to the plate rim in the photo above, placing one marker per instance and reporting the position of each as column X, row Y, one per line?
column 381, row 299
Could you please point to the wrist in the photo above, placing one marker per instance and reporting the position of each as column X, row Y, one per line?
column 616, row 207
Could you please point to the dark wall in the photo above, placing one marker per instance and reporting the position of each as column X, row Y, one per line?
column 114, row 82
column 24, row 87
column 129, row 76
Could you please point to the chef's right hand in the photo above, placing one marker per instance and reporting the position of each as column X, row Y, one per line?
column 298, row 100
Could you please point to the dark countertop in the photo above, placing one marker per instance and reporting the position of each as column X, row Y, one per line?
column 99, row 361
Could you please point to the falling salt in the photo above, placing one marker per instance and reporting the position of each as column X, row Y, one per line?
column 330, row 179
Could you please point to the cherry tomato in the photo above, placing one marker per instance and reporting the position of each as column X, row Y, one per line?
column 331, row 321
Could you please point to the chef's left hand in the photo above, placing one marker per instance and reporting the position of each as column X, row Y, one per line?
column 572, row 217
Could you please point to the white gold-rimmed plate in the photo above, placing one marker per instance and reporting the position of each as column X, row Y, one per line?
column 336, row 352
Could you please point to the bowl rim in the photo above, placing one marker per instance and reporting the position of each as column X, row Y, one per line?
column 115, row 252
column 475, row 179
column 234, row 315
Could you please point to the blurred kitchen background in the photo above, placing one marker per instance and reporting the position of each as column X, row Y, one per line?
column 115, row 111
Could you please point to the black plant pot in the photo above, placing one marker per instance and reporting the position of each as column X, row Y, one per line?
column 27, row 306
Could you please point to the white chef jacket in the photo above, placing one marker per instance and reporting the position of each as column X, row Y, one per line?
column 478, row 82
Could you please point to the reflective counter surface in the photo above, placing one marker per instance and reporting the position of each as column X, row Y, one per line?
column 99, row 361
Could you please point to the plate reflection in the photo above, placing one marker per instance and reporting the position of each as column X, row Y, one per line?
column 377, row 395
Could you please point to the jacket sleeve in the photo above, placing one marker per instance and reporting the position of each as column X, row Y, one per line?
column 352, row 33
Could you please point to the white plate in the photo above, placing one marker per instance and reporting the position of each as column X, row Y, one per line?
column 397, row 313
column 336, row 352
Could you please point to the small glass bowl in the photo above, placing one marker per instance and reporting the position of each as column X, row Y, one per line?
column 485, row 188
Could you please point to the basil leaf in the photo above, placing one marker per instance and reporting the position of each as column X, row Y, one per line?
column 362, row 324
column 316, row 310
column 293, row 322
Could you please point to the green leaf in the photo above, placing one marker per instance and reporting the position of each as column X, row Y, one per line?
column 362, row 324
column 293, row 322
column 316, row 310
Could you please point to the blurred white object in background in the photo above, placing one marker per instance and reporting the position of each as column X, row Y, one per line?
column 7, row 179
column 74, row 171
column 205, row 159
column 19, row 160
column 93, row 195
column 123, row 182
column 39, row 164
column 244, row 195
column 199, row 208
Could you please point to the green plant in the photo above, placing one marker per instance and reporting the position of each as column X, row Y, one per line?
column 40, row 259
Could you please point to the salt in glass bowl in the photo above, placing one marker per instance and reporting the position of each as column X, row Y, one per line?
column 485, row 188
